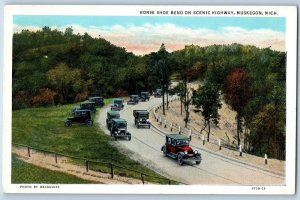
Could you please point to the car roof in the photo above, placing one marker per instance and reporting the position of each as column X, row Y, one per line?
column 134, row 95
column 178, row 137
column 87, row 102
column 95, row 97
column 78, row 110
column 117, row 99
column 144, row 92
column 119, row 120
column 142, row 111
column 113, row 112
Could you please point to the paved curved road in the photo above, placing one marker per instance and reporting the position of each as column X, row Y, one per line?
column 145, row 147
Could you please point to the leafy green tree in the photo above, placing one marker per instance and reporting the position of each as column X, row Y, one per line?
column 237, row 95
column 159, row 66
column 207, row 99
column 64, row 79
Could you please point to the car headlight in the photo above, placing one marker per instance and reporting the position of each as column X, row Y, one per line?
column 196, row 152
column 185, row 152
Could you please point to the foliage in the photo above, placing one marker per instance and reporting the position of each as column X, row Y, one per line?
column 237, row 94
column 207, row 99
column 45, row 97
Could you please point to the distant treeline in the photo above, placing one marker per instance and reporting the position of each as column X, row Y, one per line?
column 54, row 67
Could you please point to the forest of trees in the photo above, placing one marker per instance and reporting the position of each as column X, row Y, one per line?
column 54, row 67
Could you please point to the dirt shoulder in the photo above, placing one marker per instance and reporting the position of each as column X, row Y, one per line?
column 225, row 131
column 64, row 165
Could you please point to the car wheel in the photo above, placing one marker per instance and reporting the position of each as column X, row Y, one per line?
column 180, row 159
column 197, row 162
column 165, row 151
column 149, row 126
column 129, row 138
column 68, row 124
column 89, row 123
column 138, row 126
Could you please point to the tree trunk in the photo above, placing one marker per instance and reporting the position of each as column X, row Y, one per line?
column 186, row 104
column 167, row 100
column 238, row 130
column 163, row 101
column 181, row 102
column 208, row 133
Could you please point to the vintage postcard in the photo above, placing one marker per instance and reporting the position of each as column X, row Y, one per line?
column 150, row 99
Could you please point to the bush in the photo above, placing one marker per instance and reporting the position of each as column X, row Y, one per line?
column 44, row 98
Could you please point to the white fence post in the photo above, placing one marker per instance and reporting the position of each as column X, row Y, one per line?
column 165, row 123
column 266, row 159
column 203, row 138
column 179, row 129
column 171, row 126
column 190, row 134
column 220, row 147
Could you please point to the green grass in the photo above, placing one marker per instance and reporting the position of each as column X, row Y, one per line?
column 43, row 128
column 23, row 172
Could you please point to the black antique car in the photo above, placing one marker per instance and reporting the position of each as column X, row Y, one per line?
column 99, row 101
column 157, row 93
column 117, row 104
column 141, row 118
column 133, row 99
column 118, row 129
column 111, row 114
column 145, row 96
column 80, row 117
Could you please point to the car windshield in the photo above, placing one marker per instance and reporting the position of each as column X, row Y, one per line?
column 122, row 125
column 118, row 102
column 143, row 115
column 115, row 116
column 182, row 142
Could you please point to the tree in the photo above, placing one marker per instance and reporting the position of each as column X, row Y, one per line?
column 237, row 94
column 64, row 79
column 207, row 99
column 159, row 67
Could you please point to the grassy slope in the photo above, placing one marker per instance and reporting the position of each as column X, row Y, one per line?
column 44, row 128
column 23, row 172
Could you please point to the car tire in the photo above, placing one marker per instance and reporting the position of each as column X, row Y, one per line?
column 129, row 138
column 165, row 151
column 197, row 162
column 138, row 126
column 180, row 159
column 68, row 124
column 89, row 123
column 149, row 126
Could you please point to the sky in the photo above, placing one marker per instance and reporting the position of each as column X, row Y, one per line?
column 145, row 34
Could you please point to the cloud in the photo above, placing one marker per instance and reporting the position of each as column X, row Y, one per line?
column 148, row 37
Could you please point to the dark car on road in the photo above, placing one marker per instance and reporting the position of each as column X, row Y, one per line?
column 141, row 118
column 157, row 93
column 133, row 100
column 118, row 129
column 111, row 114
column 117, row 104
column 80, row 117
column 145, row 96
column 99, row 101
column 177, row 147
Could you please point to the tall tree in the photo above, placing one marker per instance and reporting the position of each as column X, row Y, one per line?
column 207, row 99
column 159, row 66
column 237, row 95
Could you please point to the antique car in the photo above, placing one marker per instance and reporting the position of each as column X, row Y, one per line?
column 117, row 104
column 141, row 118
column 111, row 114
column 145, row 96
column 80, row 117
column 86, row 105
column 99, row 101
column 157, row 93
column 133, row 99
column 177, row 147
column 118, row 129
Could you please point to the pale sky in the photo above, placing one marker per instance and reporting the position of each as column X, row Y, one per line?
column 144, row 34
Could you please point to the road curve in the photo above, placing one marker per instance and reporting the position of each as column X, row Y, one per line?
column 145, row 147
